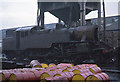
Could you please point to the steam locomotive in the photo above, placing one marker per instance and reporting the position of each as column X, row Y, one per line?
column 48, row 42
column 63, row 43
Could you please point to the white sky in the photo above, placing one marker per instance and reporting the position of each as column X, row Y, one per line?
column 14, row 13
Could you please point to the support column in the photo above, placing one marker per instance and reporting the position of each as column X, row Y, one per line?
column 82, row 13
column 70, row 17
column 104, row 18
column 38, row 17
column 42, row 19
column 99, row 18
column 59, row 21
column 38, row 14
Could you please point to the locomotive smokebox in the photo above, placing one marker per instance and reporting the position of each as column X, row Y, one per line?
column 86, row 33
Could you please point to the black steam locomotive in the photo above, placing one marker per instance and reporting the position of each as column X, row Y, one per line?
column 72, row 41
column 49, row 43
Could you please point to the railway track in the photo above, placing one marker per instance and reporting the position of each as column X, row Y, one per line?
column 111, row 71
column 113, row 74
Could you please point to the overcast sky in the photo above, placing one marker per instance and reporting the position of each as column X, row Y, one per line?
column 14, row 13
